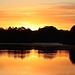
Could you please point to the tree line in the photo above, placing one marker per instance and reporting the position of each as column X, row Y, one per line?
column 47, row 34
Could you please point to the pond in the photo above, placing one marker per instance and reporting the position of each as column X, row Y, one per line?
column 37, row 62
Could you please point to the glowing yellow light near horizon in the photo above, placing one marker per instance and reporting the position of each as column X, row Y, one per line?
column 28, row 25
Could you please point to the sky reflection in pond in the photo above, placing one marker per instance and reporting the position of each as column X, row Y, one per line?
column 36, row 62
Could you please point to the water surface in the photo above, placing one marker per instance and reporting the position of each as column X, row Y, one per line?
column 37, row 62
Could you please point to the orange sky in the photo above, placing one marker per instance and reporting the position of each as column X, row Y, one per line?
column 38, row 15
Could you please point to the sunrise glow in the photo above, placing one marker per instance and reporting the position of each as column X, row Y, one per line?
column 28, row 25
column 37, row 14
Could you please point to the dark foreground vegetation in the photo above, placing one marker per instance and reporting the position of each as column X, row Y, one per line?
column 48, row 34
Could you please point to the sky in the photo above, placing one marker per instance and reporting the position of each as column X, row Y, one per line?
column 36, row 14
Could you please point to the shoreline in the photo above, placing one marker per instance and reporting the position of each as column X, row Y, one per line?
column 28, row 46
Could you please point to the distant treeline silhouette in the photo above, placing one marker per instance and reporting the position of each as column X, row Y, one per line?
column 48, row 34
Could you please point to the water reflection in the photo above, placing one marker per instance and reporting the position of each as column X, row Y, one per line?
column 72, row 56
column 47, row 54
column 37, row 62
column 15, row 53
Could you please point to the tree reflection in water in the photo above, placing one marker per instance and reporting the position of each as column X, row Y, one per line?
column 72, row 56
column 46, row 53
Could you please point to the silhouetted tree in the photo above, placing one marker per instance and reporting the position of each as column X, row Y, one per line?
column 72, row 35
column 46, row 34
